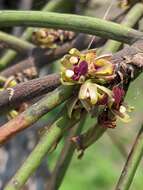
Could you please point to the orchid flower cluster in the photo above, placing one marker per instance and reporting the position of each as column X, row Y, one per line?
column 93, row 74
column 51, row 38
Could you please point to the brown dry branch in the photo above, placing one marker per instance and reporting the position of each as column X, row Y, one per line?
column 27, row 91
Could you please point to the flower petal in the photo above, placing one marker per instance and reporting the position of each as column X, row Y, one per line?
column 83, row 91
column 83, row 68
column 118, row 94
column 93, row 94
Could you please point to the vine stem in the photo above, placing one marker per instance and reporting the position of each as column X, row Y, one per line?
column 55, row 6
column 65, row 156
column 15, row 43
column 130, row 20
column 132, row 163
column 76, row 23
column 34, row 112
column 46, row 144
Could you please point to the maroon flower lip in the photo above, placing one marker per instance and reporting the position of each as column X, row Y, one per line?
column 118, row 94
column 80, row 70
column 103, row 101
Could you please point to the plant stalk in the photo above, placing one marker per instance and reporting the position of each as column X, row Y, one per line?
column 15, row 43
column 34, row 112
column 84, row 24
column 65, row 157
column 132, row 163
column 130, row 20
column 46, row 143
column 55, row 6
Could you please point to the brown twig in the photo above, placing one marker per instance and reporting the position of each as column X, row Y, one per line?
column 27, row 91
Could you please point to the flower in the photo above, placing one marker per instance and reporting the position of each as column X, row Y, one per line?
column 118, row 108
column 84, row 66
column 51, row 38
column 107, row 119
column 80, row 70
column 102, row 66
column 118, row 94
column 93, row 74
column 94, row 93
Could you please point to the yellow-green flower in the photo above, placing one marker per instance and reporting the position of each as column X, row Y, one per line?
column 95, row 94
column 77, row 67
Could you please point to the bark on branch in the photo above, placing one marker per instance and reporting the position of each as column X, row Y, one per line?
column 27, row 91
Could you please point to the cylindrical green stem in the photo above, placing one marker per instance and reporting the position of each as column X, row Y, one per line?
column 116, row 140
column 55, row 6
column 132, row 163
column 33, row 113
column 65, row 157
column 15, row 43
column 130, row 20
column 92, row 135
column 76, row 23
column 47, row 141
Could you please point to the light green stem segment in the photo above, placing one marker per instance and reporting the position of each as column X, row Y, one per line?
column 35, row 112
column 65, row 156
column 47, row 141
column 132, row 163
column 15, row 43
column 55, row 6
column 92, row 135
column 75, row 23
column 130, row 20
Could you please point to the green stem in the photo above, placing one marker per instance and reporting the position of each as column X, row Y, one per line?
column 76, row 23
column 55, row 6
column 15, row 43
column 46, row 143
column 116, row 140
column 35, row 112
column 92, row 135
column 132, row 163
column 65, row 157
column 130, row 20
column 89, row 137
